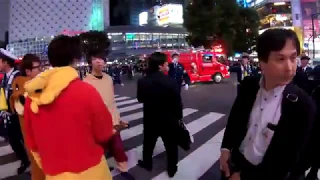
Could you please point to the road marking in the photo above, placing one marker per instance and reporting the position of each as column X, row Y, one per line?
column 5, row 150
column 127, row 102
column 194, row 127
column 132, row 117
column 137, row 130
column 130, row 108
column 121, row 98
column 193, row 166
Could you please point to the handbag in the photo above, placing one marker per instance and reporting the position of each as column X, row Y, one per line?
column 184, row 138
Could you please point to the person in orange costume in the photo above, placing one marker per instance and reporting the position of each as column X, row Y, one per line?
column 66, row 122
column 29, row 68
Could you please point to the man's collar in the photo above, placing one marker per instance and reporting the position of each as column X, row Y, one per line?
column 275, row 91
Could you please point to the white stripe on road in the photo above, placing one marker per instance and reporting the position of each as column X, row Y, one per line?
column 5, row 150
column 132, row 117
column 115, row 96
column 121, row 98
column 130, row 108
column 201, row 160
column 9, row 169
column 137, row 130
column 127, row 102
column 194, row 127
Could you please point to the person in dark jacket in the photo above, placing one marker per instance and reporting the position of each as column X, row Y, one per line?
column 245, row 69
column 178, row 73
column 162, row 111
column 302, row 74
column 271, row 120
column 10, row 117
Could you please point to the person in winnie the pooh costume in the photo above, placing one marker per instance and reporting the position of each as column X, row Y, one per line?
column 66, row 129
column 29, row 68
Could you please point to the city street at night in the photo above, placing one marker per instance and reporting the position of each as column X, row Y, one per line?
column 206, row 108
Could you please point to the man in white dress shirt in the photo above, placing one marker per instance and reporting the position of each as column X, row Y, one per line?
column 271, row 118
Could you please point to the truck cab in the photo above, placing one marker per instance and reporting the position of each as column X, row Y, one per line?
column 201, row 65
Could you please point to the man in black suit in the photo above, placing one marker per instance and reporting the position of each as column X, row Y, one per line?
column 271, row 119
column 301, row 78
column 162, row 110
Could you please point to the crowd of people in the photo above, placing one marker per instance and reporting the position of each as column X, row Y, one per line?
column 271, row 133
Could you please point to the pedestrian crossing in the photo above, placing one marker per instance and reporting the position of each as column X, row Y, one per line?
column 206, row 127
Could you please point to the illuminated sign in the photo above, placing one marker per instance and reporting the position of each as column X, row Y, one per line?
column 217, row 49
column 143, row 18
column 71, row 33
column 170, row 14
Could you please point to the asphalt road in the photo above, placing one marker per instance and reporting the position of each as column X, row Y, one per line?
column 202, row 96
column 206, row 108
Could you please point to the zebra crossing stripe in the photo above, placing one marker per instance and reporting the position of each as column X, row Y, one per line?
column 137, row 130
column 132, row 117
column 202, row 159
column 9, row 169
column 130, row 108
column 4, row 150
column 194, row 127
column 127, row 102
column 116, row 95
column 121, row 98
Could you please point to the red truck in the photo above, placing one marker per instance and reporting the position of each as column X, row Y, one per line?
column 201, row 65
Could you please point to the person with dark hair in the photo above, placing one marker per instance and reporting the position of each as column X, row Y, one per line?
column 162, row 111
column 29, row 68
column 245, row 69
column 178, row 73
column 271, row 119
column 104, row 85
column 303, row 73
column 30, row 65
column 10, row 117
column 66, row 130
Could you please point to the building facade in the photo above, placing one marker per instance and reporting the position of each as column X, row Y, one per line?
column 125, row 41
column 4, row 19
column 292, row 14
column 46, row 18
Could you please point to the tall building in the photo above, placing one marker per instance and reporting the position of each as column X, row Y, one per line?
column 45, row 18
column 4, row 18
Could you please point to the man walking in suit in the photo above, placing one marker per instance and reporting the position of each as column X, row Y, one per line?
column 271, row 119
column 162, row 111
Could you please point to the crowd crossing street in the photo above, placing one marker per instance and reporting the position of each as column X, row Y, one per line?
column 200, row 162
column 193, row 164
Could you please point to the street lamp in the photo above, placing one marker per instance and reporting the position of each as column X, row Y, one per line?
column 313, row 16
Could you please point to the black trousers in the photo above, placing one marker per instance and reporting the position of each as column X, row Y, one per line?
column 170, row 144
column 16, row 139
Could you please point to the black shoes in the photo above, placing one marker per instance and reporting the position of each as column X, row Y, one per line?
column 127, row 176
column 23, row 167
column 172, row 171
column 144, row 165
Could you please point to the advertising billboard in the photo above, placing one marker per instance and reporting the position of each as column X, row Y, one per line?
column 143, row 18
column 309, row 7
column 170, row 14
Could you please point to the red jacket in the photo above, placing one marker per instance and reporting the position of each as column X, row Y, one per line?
column 68, row 133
